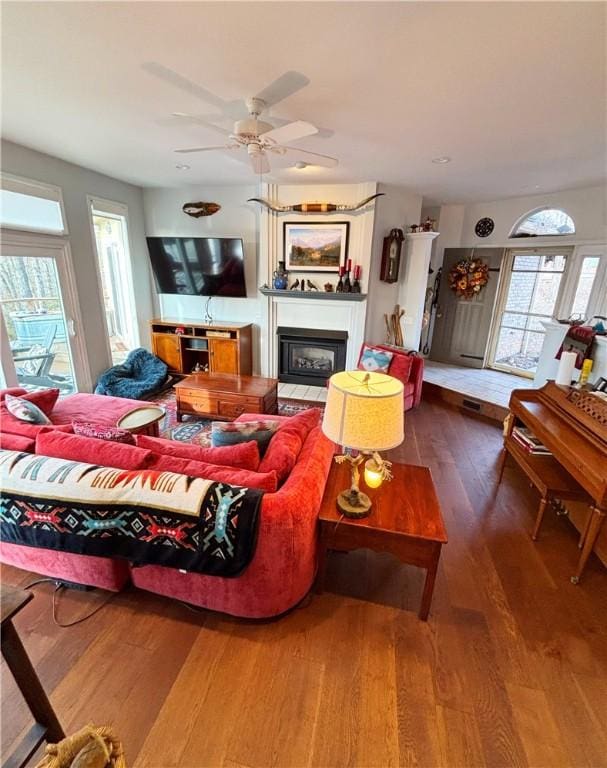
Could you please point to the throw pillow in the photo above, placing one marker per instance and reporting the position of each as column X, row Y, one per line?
column 233, row 432
column 401, row 365
column 45, row 399
column 375, row 359
column 282, row 453
column 263, row 482
column 24, row 410
column 241, row 456
column 16, row 391
column 102, row 432
column 60, row 445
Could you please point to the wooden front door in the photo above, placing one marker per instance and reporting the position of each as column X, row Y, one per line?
column 461, row 329
column 224, row 355
column 166, row 347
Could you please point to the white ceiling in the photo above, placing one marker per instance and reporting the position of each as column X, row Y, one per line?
column 514, row 93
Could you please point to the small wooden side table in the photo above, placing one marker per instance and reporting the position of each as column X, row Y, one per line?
column 405, row 520
column 142, row 420
column 46, row 727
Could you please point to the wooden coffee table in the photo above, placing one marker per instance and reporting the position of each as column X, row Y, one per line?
column 405, row 520
column 225, row 396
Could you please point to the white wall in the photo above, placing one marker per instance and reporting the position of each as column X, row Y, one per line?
column 398, row 209
column 76, row 183
column 237, row 218
column 587, row 207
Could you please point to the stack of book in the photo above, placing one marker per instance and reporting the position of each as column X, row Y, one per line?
column 529, row 442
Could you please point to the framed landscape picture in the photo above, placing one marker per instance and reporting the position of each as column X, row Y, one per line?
column 315, row 246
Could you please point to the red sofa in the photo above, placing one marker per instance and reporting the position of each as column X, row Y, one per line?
column 279, row 575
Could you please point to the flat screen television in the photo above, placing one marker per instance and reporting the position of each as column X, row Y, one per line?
column 198, row 266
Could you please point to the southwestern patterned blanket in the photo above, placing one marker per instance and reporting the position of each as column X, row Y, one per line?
column 145, row 516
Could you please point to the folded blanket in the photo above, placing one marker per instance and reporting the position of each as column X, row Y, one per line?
column 145, row 516
column 579, row 339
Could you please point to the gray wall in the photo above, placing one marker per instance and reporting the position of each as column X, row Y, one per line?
column 78, row 182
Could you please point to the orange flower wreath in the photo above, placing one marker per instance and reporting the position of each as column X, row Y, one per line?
column 467, row 277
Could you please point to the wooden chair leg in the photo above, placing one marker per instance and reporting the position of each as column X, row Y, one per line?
column 502, row 465
column 539, row 518
column 597, row 517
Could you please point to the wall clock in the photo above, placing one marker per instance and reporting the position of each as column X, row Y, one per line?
column 390, row 259
column 484, row 227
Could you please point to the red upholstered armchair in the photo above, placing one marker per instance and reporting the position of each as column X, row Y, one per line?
column 407, row 367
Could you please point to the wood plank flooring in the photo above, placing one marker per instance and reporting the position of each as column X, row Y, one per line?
column 510, row 670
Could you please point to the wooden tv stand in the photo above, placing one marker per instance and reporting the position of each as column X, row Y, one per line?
column 216, row 347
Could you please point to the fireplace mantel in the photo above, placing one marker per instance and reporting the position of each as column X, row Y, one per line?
column 326, row 295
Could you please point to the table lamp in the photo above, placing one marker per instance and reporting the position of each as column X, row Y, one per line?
column 364, row 412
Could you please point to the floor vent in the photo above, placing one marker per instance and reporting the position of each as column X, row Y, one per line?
column 471, row 404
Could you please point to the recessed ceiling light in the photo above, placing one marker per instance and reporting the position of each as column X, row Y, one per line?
column 301, row 165
column 441, row 160
column 183, row 167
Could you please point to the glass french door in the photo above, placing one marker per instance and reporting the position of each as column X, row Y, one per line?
column 530, row 295
column 39, row 316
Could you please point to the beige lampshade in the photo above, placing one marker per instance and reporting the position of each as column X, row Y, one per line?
column 365, row 411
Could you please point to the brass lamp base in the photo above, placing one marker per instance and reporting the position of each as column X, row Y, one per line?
column 354, row 504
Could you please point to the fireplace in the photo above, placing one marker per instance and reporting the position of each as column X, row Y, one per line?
column 307, row 356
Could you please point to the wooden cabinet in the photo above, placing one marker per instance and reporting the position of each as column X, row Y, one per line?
column 216, row 348
column 167, row 347
column 223, row 355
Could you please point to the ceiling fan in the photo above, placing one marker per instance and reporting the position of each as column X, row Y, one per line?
column 257, row 136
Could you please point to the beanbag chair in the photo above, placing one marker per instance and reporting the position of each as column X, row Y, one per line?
column 141, row 374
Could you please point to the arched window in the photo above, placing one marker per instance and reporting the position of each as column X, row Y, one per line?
column 544, row 222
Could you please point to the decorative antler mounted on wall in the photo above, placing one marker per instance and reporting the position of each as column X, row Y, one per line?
column 314, row 207
column 200, row 209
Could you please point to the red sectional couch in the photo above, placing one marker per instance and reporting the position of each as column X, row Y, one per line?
column 283, row 566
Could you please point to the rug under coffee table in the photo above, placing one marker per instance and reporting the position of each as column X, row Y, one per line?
column 225, row 396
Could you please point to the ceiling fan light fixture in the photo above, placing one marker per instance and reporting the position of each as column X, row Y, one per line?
column 441, row 160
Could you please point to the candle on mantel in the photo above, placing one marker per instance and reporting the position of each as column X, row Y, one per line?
column 342, row 270
column 357, row 270
column 349, row 268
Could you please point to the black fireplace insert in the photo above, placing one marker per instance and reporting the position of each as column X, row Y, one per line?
column 309, row 356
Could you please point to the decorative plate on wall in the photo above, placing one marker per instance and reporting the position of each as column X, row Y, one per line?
column 484, row 227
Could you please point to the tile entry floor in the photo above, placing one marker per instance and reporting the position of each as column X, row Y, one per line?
column 302, row 392
column 481, row 383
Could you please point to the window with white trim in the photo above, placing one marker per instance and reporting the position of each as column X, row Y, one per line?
column 31, row 206
column 545, row 222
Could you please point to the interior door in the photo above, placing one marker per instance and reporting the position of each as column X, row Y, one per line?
column 462, row 326
column 224, row 356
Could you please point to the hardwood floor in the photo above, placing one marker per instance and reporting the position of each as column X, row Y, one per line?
column 510, row 670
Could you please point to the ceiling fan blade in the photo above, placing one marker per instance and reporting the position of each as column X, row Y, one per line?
column 260, row 162
column 179, row 81
column 313, row 158
column 285, row 85
column 290, row 132
column 205, row 149
column 323, row 133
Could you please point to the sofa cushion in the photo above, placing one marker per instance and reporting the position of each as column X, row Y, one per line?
column 103, row 432
column 374, row 359
column 231, row 433
column 8, row 423
column 60, row 445
column 267, row 481
column 302, row 422
column 281, row 455
column 24, row 410
column 10, row 442
column 242, row 455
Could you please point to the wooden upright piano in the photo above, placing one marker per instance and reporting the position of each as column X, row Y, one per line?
column 572, row 424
